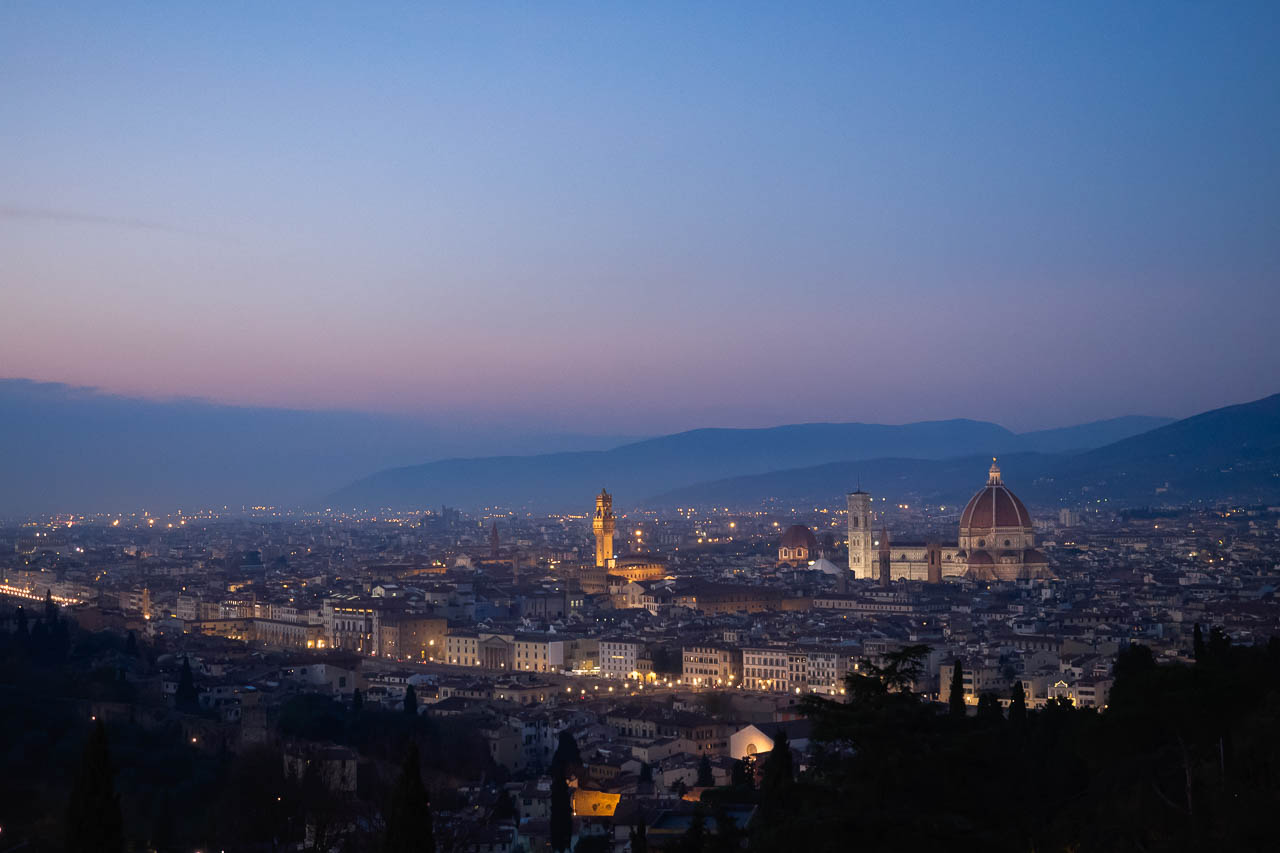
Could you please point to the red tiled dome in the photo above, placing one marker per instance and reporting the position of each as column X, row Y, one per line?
column 980, row 558
column 994, row 506
column 799, row 536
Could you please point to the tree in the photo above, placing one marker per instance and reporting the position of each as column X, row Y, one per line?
column 955, row 696
column 561, row 810
column 1018, row 705
column 695, row 837
column 778, row 771
column 989, row 710
column 742, row 775
column 728, row 837
column 505, row 808
column 705, row 777
column 187, row 698
column 567, row 757
column 357, row 701
column 94, row 823
column 411, row 701
column 1197, row 643
column 646, row 773
column 131, row 645
column 409, row 825
column 900, row 669
column 639, row 842
column 1219, row 644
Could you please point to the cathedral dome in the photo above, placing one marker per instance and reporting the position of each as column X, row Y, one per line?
column 799, row 536
column 994, row 506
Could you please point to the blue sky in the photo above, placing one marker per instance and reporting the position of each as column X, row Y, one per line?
column 646, row 217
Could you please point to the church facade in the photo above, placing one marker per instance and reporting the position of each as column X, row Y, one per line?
column 996, row 542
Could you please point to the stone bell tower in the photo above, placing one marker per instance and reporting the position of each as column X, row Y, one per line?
column 603, row 525
column 860, row 554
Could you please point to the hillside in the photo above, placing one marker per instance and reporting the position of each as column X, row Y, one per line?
column 564, row 481
column 78, row 449
column 1228, row 454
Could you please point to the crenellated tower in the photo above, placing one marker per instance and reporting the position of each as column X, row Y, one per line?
column 603, row 525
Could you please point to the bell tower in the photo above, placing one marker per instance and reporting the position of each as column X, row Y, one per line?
column 603, row 525
column 860, row 554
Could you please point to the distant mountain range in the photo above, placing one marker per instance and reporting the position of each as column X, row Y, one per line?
column 565, row 481
column 74, row 449
column 68, row 449
column 1231, row 453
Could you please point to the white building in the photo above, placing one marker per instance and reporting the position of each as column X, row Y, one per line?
column 766, row 669
column 619, row 658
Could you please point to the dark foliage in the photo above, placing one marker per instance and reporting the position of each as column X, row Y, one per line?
column 955, row 694
column 409, row 827
column 187, row 698
column 1184, row 758
column 705, row 778
column 561, row 829
column 94, row 823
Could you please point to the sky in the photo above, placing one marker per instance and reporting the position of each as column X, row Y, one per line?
column 641, row 218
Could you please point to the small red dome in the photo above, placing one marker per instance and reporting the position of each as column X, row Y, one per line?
column 799, row 536
column 980, row 558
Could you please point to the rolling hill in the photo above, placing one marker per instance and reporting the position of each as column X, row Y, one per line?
column 565, row 481
column 1228, row 454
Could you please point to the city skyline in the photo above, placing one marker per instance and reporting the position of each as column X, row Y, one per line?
column 632, row 222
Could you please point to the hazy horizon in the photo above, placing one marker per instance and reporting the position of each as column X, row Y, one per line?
column 638, row 220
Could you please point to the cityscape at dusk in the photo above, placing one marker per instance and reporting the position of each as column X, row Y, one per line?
column 652, row 428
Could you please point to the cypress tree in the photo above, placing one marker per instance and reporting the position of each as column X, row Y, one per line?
column 989, row 708
column 186, row 698
column 357, row 701
column 567, row 757
column 742, row 776
column 94, row 823
column 955, row 695
column 778, row 770
column 131, row 645
column 1197, row 643
column 695, row 837
column 411, row 701
column 409, row 825
column 705, row 777
column 1018, row 704
column 561, row 810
